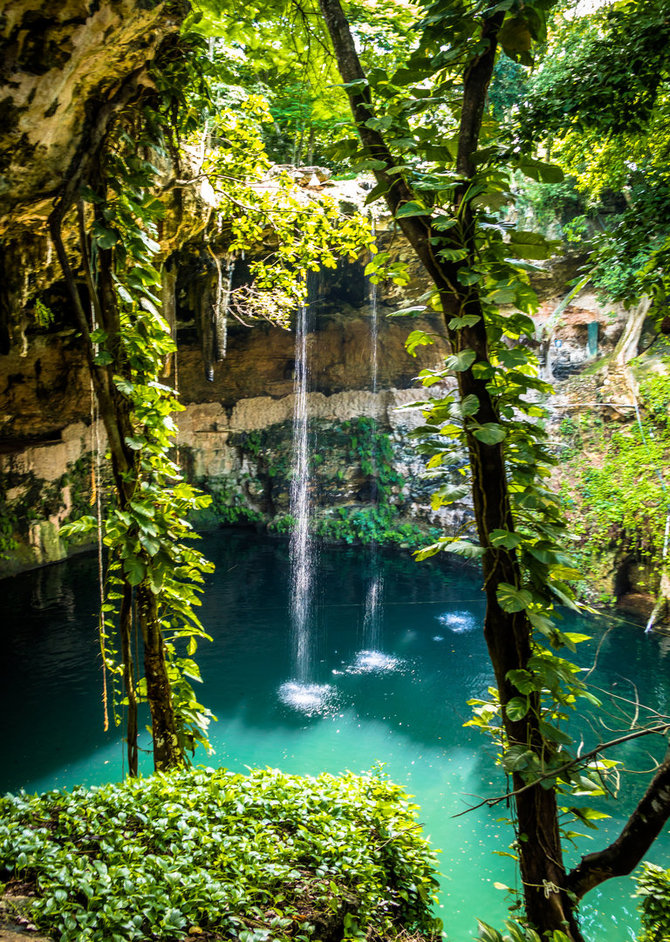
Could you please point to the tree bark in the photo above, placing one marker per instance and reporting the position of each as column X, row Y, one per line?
column 167, row 751
column 629, row 341
column 125, row 630
column 637, row 836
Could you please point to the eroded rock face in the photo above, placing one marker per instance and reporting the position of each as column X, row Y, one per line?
column 60, row 63
column 47, row 439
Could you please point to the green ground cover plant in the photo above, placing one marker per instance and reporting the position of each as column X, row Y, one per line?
column 214, row 854
column 653, row 891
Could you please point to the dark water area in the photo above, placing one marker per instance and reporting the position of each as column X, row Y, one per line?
column 404, row 705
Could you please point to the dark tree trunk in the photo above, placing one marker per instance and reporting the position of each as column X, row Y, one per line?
column 167, row 752
column 508, row 635
column 125, row 630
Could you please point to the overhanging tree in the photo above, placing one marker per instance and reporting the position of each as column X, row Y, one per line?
column 439, row 185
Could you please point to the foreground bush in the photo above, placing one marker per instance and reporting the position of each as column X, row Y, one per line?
column 653, row 889
column 213, row 855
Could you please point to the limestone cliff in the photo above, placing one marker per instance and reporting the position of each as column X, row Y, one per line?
column 65, row 69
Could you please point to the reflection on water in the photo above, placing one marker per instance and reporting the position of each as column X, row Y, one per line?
column 402, row 703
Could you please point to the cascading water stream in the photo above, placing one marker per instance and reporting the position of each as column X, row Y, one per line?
column 302, row 693
column 300, row 549
column 371, row 657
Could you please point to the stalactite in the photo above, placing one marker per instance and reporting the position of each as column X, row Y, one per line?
column 221, row 306
column 204, row 321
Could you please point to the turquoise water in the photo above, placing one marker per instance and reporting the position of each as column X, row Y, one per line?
column 405, row 708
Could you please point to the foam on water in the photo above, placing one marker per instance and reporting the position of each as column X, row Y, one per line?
column 458, row 622
column 374, row 662
column 309, row 699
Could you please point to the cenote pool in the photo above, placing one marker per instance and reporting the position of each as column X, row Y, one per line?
column 405, row 709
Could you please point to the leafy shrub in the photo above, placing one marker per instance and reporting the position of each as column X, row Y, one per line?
column 517, row 933
column 653, row 890
column 623, row 499
column 261, row 857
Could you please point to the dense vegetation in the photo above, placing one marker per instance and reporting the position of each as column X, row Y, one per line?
column 614, row 483
column 448, row 168
column 217, row 855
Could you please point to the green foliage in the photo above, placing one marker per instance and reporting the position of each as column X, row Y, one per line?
column 517, row 933
column 653, row 892
column 297, row 77
column 355, row 444
column 8, row 524
column 282, row 524
column 44, row 316
column 370, row 525
column 604, row 74
column 371, row 448
column 611, row 134
column 623, row 497
column 261, row 857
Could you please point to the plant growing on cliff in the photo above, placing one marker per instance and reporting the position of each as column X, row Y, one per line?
column 624, row 497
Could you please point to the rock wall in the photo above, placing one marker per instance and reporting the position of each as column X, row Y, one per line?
column 234, row 435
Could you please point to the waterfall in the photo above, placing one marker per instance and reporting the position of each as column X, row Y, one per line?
column 372, row 618
column 300, row 549
column 372, row 629
column 303, row 693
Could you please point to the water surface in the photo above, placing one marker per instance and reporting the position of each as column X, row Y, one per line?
column 403, row 705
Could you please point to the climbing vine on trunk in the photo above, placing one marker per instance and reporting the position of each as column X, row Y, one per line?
column 153, row 575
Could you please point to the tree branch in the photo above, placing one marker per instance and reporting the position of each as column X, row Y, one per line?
column 416, row 228
column 573, row 763
column 640, row 831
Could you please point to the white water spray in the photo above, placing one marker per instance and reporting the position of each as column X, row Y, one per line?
column 300, row 548
column 372, row 618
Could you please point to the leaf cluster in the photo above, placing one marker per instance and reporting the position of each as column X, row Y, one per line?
column 264, row 856
column 653, row 893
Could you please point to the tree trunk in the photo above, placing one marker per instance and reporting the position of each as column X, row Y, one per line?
column 167, row 752
column 125, row 630
column 629, row 341
column 508, row 635
column 508, row 639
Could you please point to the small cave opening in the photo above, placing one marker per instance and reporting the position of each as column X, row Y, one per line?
column 623, row 578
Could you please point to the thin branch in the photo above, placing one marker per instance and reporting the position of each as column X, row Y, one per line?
column 640, row 831
column 555, row 773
